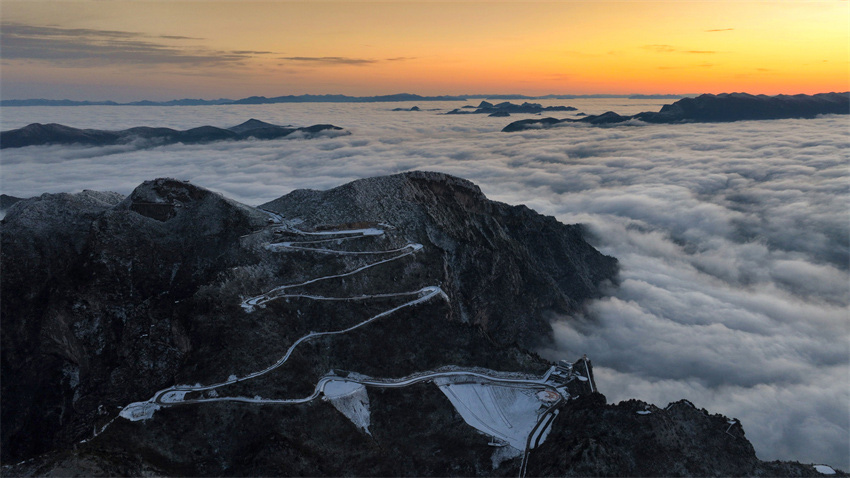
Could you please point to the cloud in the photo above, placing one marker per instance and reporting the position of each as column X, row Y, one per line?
column 341, row 60
column 720, row 30
column 329, row 60
column 733, row 238
column 88, row 47
column 699, row 65
column 673, row 49
column 659, row 48
column 251, row 52
column 178, row 37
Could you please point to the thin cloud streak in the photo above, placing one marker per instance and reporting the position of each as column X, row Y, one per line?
column 660, row 48
column 87, row 47
column 329, row 60
column 673, row 49
column 341, row 60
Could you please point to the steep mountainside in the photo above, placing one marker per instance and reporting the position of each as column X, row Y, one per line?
column 385, row 327
column 508, row 265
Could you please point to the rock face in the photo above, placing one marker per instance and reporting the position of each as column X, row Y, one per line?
column 109, row 299
column 716, row 108
column 634, row 438
column 507, row 265
column 6, row 201
column 40, row 134
column 89, row 286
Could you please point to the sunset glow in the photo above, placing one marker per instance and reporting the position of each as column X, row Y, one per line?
column 126, row 50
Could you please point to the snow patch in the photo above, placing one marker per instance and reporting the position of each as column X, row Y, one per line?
column 824, row 470
column 352, row 400
column 137, row 411
column 506, row 413
column 173, row 397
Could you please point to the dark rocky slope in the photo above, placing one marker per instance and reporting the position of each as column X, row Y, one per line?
column 41, row 134
column 634, row 438
column 6, row 201
column 508, row 265
column 715, row 108
column 107, row 299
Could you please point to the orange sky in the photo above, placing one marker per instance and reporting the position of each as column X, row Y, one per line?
column 127, row 50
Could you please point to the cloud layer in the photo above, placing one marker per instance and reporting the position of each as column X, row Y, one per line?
column 733, row 238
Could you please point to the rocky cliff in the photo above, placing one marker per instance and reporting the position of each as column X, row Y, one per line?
column 384, row 327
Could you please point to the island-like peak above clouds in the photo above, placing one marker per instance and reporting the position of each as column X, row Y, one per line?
column 715, row 108
column 44, row 134
column 506, row 108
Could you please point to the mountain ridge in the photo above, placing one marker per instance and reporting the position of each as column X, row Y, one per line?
column 309, row 98
column 725, row 107
column 37, row 134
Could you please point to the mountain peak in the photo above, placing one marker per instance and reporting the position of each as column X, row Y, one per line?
column 251, row 124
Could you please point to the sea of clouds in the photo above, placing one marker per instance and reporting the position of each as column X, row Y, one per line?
column 733, row 239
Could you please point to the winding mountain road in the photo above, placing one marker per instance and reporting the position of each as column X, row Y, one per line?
column 176, row 395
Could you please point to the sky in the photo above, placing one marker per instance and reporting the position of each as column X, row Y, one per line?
column 732, row 238
column 130, row 50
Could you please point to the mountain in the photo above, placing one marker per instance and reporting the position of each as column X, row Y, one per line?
column 183, row 102
column 385, row 327
column 716, row 108
column 261, row 100
column 39, row 134
column 6, row 201
column 253, row 100
column 506, row 108
column 660, row 97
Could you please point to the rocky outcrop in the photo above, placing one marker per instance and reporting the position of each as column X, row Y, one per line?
column 506, row 108
column 6, row 201
column 634, row 438
column 505, row 267
column 40, row 134
column 715, row 108
column 89, row 286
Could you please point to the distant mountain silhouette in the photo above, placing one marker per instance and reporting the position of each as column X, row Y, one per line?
column 183, row 102
column 259, row 100
column 41, row 134
column 500, row 109
column 724, row 107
